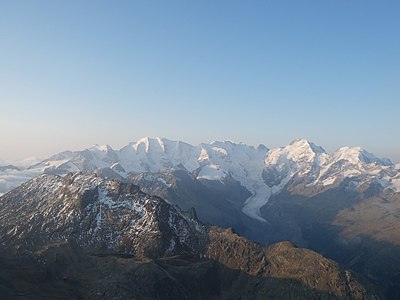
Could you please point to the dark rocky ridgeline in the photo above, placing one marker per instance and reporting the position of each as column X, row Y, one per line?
column 84, row 237
column 357, row 227
column 282, row 271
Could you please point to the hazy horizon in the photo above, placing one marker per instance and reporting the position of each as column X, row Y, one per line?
column 74, row 74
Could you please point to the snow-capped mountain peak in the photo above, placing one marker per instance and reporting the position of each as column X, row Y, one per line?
column 144, row 144
column 305, row 144
column 298, row 153
column 357, row 155
column 101, row 148
column 261, row 171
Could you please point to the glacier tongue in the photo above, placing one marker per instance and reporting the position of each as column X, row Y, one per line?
column 245, row 164
column 261, row 194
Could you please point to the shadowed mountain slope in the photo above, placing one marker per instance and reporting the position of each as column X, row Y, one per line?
column 86, row 237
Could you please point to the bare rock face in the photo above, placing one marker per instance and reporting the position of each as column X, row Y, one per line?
column 287, row 272
column 86, row 237
column 104, row 216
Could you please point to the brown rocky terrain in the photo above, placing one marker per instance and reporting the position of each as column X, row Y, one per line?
column 357, row 228
column 84, row 237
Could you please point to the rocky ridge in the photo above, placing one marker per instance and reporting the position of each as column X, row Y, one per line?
column 86, row 237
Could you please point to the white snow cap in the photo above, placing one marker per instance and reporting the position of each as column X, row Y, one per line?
column 217, row 160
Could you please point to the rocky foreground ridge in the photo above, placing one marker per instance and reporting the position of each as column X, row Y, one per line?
column 85, row 237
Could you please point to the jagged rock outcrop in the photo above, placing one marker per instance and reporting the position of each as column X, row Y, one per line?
column 101, row 215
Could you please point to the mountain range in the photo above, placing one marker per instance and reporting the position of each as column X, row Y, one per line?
column 344, row 205
column 260, row 170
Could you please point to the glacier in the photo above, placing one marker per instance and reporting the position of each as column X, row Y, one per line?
column 263, row 172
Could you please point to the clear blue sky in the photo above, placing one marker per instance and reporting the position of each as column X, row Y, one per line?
column 76, row 73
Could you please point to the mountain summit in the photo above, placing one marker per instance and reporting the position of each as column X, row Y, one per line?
column 262, row 171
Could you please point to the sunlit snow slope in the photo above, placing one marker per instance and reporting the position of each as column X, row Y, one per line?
column 261, row 171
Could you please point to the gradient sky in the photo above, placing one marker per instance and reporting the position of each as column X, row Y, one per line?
column 76, row 73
